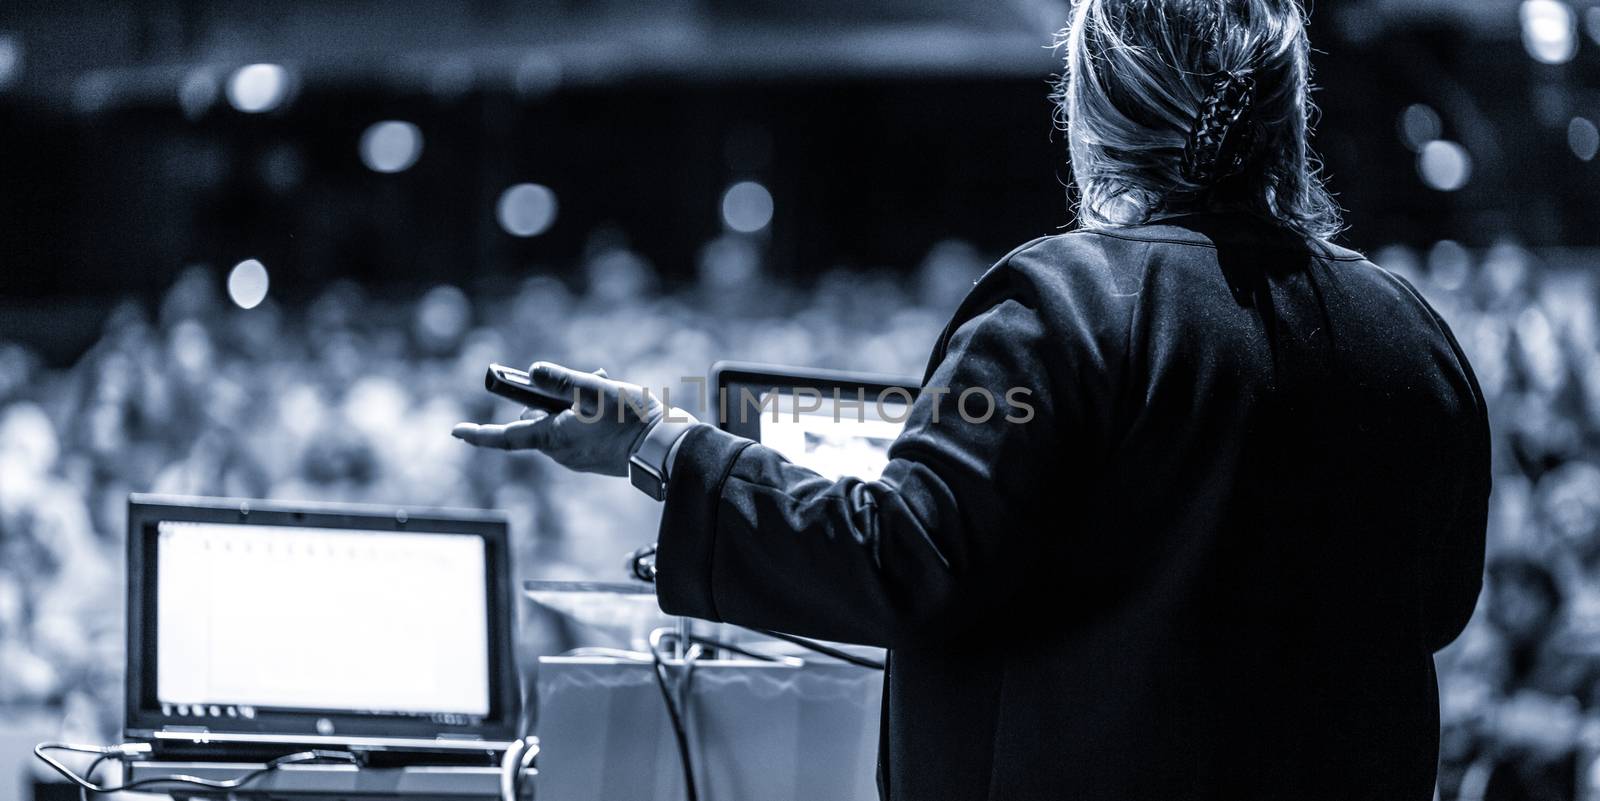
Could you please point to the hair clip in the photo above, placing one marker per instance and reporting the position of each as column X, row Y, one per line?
column 1220, row 141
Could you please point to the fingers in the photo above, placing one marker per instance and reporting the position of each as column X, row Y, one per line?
column 537, row 429
column 561, row 381
column 520, row 435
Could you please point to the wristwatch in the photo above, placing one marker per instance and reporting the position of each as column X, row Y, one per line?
column 651, row 462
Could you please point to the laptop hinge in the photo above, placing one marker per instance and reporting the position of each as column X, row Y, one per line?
column 186, row 729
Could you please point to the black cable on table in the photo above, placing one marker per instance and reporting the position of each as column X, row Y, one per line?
column 102, row 753
column 642, row 566
column 825, row 650
column 88, row 776
column 679, row 731
column 731, row 648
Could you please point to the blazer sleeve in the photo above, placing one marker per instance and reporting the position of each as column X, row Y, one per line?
column 1452, row 560
column 750, row 538
column 1453, row 565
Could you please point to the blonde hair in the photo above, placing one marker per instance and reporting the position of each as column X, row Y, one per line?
column 1139, row 72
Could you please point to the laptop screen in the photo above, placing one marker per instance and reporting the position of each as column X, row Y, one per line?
column 833, row 439
column 266, row 619
column 832, row 422
column 285, row 617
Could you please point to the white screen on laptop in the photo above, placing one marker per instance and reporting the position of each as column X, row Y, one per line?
column 847, row 439
column 319, row 618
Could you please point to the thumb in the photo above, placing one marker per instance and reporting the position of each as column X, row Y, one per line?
column 508, row 436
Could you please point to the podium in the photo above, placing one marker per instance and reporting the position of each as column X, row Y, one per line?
column 758, row 731
column 799, row 729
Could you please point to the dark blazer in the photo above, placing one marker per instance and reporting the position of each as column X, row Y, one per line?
column 1215, row 564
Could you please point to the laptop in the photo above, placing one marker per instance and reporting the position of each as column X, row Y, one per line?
column 833, row 422
column 257, row 629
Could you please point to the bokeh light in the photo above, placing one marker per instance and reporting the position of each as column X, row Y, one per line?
column 1549, row 31
column 1402, row 260
column 1419, row 124
column 729, row 261
column 1449, row 265
column 536, row 75
column 258, row 88
column 10, row 58
column 189, row 346
column 391, row 146
column 197, row 93
column 442, row 317
column 1444, row 165
column 526, row 209
column 94, row 91
column 1505, row 268
column 746, row 207
column 247, row 284
column 1583, row 138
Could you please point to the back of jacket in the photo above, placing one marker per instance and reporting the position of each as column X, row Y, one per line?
column 1215, row 564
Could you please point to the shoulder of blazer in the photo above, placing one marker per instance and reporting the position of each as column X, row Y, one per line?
column 1001, row 281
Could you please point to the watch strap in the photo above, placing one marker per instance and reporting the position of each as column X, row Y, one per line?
column 651, row 464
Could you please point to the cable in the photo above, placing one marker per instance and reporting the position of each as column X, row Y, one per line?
column 514, row 767
column 518, row 759
column 642, row 566
column 673, row 712
column 104, row 752
column 678, row 703
column 825, row 650
column 691, row 657
column 88, row 775
column 788, row 661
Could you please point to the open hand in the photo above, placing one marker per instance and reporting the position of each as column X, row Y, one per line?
column 596, row 435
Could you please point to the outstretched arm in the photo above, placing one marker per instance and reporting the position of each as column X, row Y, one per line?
column 749, row 538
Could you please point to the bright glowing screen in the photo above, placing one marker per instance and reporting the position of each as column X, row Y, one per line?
column 321, row 619
column 835, row 441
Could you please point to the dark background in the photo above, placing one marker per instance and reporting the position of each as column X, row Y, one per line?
column 879, row 127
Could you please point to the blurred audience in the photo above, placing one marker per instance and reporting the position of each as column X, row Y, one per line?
column 352, row 398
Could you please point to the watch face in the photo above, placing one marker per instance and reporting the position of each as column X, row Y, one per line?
column 646, row 479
